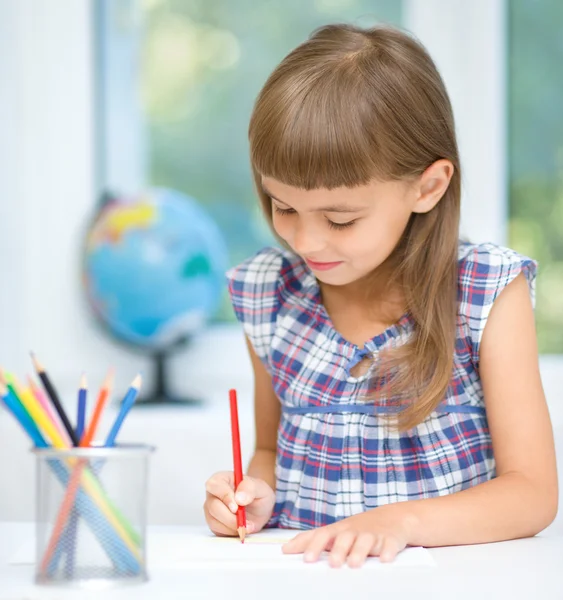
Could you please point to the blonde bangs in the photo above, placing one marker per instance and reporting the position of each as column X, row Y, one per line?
column 316, row 134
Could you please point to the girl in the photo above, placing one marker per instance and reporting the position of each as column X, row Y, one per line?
column 397, row 392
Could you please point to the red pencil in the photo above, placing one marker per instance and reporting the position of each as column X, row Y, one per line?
column 88, row 435
column 237, row 460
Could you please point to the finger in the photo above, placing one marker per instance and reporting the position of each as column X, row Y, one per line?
column 246, row 491
column 389, row 549
column 218, row 511
column 341, row 546
column 318, row 542
column 361, row 549
column 298, row 544
column 219, row 528
column 251, row 489
column 222, row 489
column 222, row 478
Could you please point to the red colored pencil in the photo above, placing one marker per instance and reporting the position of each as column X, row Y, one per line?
column 237, row 460
column 90, row 432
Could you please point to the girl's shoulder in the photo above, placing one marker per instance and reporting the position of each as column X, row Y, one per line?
column 484, row 270
column 264, row 283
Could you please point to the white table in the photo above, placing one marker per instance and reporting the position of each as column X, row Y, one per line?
column 521, row 569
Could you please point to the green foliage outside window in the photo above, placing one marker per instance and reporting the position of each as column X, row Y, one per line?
column 535, row 97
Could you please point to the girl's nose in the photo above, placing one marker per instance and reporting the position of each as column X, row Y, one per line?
column 307, row 240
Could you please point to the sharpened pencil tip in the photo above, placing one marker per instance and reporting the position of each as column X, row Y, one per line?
column 3, row 379
column 242, row 534
column 108, row 381
column 83, row 382
column 36, row 364
column 136, row 383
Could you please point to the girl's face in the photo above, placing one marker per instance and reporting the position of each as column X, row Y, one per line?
column 343, row 234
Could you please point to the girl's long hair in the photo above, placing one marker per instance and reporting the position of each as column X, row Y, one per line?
column 351, row 105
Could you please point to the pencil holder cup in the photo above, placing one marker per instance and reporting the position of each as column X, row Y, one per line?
column 91, row 507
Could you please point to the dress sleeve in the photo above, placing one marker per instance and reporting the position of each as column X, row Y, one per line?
column 254, row 288
column 483, row 273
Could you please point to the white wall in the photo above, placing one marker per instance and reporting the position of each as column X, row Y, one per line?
column 49, row 179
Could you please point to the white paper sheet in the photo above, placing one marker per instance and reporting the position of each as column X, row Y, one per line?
column 197, row 548
column 200, row 549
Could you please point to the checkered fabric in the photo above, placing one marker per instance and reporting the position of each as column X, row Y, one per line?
column 336, row 456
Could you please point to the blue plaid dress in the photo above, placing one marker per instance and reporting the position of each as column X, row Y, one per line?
column 336, row 456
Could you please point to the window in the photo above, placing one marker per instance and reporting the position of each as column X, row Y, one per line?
column 178, row 81
column 535, row 90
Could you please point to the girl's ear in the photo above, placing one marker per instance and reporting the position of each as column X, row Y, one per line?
column 432, row 185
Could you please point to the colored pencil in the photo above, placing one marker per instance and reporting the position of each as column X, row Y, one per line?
column 108, row 538
column 75, row 479
column 39, row 416
column 21, row 415
column 128, row 401
column 48, row 408
column 126, row 406
column 72, row 529
column 71, row 532
column 125, row 542
column 81, row 413
column 237, row 460
column 90, row 432
column 52, row 393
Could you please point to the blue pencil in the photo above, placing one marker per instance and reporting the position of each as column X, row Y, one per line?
column 81, row 414
column 126, row 405
column 71, row 532
column 22, row 417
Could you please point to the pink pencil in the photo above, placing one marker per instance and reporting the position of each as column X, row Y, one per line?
column 42, row 399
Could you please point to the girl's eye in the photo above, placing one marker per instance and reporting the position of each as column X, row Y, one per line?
column 283, row 211
column 333, row 225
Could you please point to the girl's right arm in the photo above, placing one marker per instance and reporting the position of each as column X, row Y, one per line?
column 267, row 414
column 257, row 490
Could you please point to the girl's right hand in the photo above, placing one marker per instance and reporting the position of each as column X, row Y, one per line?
column 221, row 503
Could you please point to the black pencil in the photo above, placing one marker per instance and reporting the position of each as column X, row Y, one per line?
column 51, row 392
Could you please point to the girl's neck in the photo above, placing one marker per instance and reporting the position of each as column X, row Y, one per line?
column 386, row 306
column 356, row 318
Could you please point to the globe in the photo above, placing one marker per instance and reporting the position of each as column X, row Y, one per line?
column 153, row 269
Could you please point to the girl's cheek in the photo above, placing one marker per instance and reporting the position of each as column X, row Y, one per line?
column 281, row 228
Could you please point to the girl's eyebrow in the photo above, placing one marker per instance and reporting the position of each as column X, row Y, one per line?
column 341, row 208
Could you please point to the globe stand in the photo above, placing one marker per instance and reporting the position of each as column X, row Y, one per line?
column 160, row 395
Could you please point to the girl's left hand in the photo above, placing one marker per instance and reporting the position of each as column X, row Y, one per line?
column 351, row 541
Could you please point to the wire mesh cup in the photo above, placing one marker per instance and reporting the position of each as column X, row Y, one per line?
column 91, row 508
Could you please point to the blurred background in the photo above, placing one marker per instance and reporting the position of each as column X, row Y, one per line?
column 108, row 106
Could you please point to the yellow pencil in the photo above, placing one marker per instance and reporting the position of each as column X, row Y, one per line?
column 38, row 414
